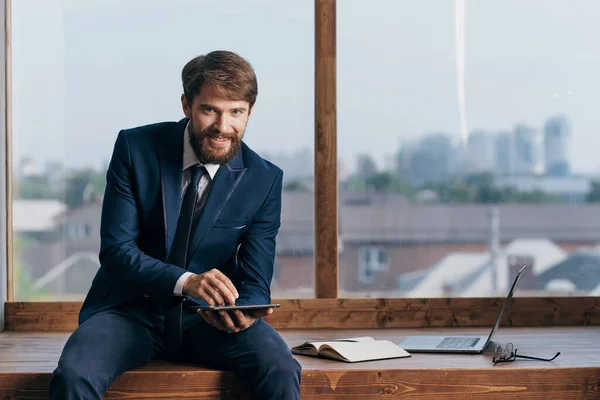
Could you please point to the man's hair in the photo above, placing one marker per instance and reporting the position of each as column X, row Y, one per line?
column 225, row 71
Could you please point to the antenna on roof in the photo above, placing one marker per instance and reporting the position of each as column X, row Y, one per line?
column 494, row 246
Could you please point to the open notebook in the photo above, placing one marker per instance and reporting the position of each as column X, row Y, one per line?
column 351, row 349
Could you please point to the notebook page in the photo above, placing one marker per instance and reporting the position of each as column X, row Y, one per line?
column 369, row 350
column 332, row 342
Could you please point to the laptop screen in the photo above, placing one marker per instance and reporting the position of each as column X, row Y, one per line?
column 506, row 302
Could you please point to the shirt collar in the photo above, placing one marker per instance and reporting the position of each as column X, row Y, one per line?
column 190, row 158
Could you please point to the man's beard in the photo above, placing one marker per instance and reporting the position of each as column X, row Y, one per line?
column 207, row 155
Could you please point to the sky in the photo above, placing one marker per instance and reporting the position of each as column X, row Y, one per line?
column 83, row 70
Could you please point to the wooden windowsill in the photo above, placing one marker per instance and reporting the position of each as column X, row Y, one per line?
column 29, row 358
column 362, row 313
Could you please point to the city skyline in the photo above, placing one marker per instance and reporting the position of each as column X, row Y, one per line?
column 112, row 65
column 385, row 163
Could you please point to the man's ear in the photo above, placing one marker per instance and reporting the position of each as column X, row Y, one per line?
column 250, row 110
column 187, row 109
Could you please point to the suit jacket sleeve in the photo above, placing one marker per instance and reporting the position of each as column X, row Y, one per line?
column 256, row 255
column 120, row 255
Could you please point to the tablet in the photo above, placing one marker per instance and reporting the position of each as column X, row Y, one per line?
column 242, row 308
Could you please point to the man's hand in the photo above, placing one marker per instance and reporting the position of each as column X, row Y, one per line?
column 235, row 322
column 212, row 286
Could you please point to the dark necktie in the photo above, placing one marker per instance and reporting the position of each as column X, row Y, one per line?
column 178, row 256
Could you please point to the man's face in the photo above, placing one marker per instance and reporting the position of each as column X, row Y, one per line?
column 217, row 125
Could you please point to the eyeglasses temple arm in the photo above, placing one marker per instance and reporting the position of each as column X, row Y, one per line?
column 537, row 358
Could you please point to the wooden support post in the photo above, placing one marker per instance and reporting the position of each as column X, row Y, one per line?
column 326, row 192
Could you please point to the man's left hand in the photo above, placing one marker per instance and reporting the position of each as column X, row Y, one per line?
column 235, row 322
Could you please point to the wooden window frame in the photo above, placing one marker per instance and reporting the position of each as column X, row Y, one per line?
column 326, row 310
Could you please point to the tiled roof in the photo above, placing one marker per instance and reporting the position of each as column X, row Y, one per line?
column 390, row 219
column 469, row 222
column 582, row 268
column 470, row 274
column 36, row 215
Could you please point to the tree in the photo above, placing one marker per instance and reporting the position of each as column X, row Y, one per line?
column 388, row 182
column 380, row 182
column 537, row 196
column 593, row 195
column 454, row 191
column 490, row 194
column 480, row 188
column 366, row 166
column 84, row 186
column 35, row 187
column 294, row 186
column 355, row 184
column 480, row 180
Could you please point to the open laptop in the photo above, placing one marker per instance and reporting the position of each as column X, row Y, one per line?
column 457, row 344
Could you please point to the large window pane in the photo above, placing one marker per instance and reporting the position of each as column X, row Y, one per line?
column 468, row 133
column 83, row 70
column 3, row 231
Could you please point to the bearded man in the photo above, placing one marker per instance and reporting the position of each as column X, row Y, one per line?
column 190, row 216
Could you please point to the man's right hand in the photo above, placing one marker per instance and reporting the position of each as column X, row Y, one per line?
column 212, row 286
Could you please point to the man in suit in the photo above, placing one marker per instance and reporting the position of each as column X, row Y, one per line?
column 190, row 215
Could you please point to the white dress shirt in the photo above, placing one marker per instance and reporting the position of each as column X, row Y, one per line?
column 190, row 159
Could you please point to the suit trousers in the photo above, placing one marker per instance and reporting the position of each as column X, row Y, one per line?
column 112, row 342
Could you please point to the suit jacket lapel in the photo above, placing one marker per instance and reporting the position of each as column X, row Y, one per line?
column 224, row 183
column 171, row 165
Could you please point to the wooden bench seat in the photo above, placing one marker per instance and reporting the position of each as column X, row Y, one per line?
column 28, row 358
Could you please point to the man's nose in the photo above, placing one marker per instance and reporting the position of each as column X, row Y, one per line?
column 222, row 123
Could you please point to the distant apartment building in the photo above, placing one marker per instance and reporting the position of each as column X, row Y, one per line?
column 481, row 153
column 527, row 151
column 429, row 159
column 503, row 152
column 556, row 140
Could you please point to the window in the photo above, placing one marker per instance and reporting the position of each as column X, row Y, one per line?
column 466, row 139
column 469, row 163
column 109, row 65
column 372, row 259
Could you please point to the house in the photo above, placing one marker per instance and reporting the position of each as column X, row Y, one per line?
column 384, row 237
column 34, row 219
column 387, row 246
column 294, row 260
column 538, row 253
column 579, row 273
column 66, row 263
column 481, row 274
column 408, row 237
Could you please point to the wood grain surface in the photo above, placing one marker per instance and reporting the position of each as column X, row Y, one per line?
column 27, row 360
column 326, row 195
column 361, row 313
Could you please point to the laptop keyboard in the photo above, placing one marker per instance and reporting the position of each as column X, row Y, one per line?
column 457, row 343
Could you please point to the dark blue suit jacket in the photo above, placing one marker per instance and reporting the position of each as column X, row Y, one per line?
column 235, row 233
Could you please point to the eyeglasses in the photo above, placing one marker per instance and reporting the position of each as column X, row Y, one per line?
column 506, row 354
